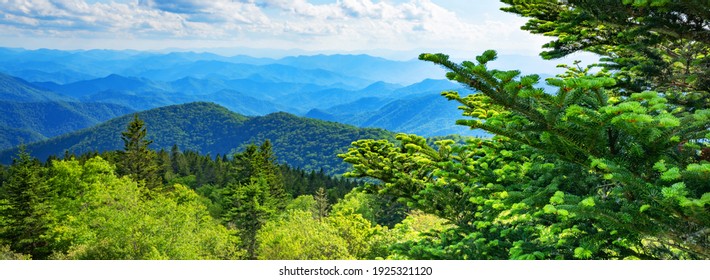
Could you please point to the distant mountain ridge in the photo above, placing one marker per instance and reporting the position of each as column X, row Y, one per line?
column 252, row 98
column 59, row 66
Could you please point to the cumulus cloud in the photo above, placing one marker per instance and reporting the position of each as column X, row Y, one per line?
column 303, row 8
column 216, row 11
column 144, row 18
column 376, row 24
column 342, row 24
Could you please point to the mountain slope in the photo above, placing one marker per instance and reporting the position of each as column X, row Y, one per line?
column 34, row 121
column 308, row 143
column 12, row 137
column 368, row 67
column 210, row 128
column 425, row 114
column 428, row 115
column 16, row 89
column 111, row 82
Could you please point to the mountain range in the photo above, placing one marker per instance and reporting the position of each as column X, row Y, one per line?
column 54, row 100
column 353, row 89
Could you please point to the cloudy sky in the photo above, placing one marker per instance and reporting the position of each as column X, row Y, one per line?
column 359, row 26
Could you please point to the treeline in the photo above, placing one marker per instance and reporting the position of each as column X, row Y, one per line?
column 137, row 203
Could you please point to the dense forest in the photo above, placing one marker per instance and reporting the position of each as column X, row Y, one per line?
column 137, row 203
column 612, row 164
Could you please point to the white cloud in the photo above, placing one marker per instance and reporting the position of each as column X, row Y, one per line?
column 345, row 24
column 216, row 11
column 145, row 18
column 303, row 8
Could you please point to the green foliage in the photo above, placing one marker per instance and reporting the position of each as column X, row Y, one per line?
column 85, row 211
column 247, row 208
column 593, row 170
column 296, row 235
column 304, row 232
column 412, row 236
column 359, row 203
column 137, row 160
column 23, row 207
column 7, row 254
column 651, row 44
column 100, row 216
column 82, row 210
column 304, row 203
column 378, row 210
column 620, row 139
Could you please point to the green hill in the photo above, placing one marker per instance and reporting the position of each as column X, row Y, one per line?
column 16, row 89
column 210, row 128
column 11, row 136
column 35, row 121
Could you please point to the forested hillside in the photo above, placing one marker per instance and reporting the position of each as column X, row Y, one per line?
column 50, row 119
column 32, row 113
column 16, row 89
column 138, row 203
column 211, row 129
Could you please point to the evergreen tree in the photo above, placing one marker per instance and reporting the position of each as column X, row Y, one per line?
column 137, row 160
column 247, row 208
column 23, row 207
column 601, row 168
column 322, row 204
column 179, row 164
column 657, row 44
column 260, row 162
column 164, row 163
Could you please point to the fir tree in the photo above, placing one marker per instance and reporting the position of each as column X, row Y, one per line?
column 602, row 168
column 322, row 204
column 137, row 160
column 179, row 164
column 23, row 207
column 247, row 208
column 656, row 44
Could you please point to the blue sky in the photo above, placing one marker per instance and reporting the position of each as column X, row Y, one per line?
column 385, row 27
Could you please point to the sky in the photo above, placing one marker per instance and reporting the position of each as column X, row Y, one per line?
column 380, row 27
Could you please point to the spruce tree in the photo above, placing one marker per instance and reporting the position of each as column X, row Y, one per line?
column 322, row 205
column 247, row 208
column 179, row 163
column 269, row 168
column 610, row 165
column 23, row 207
column 255, row 194
column 656, row 44
column 137, row 160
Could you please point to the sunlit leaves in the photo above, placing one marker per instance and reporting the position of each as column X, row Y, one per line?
column 106, row 217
